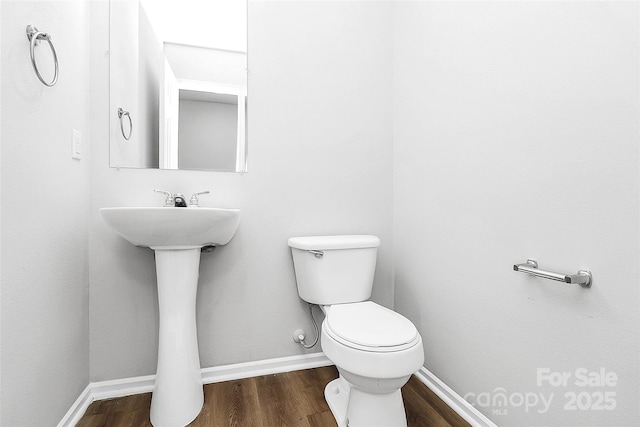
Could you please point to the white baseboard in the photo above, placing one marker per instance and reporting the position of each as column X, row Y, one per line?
column 136, row 385
column 78, row 408
column 453, row 399
column 236, row 371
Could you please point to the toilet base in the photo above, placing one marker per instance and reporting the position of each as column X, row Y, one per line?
column 336, row 393
column 352, row 407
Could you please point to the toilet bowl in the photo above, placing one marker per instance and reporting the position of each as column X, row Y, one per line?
column 375, row 349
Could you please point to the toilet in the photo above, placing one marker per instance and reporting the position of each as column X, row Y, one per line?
column 376, row 350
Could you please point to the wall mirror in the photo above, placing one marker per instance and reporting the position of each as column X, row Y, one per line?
column 178, row 84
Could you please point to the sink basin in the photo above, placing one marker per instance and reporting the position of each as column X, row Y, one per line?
column 173, row 228
column 176, row 235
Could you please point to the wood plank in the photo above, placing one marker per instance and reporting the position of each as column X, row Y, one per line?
column 230, row 403
column 322, row 419
column 89, row 420
column 424, row 407
column 281, row 402
column 122, row 411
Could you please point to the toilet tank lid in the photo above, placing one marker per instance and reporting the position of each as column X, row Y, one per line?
column 309, row 243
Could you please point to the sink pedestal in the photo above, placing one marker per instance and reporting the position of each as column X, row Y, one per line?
column 178, row 395
column 176, row 235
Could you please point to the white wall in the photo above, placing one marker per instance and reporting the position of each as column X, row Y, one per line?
column 206, row 64
column 220, row 24
column 516, row 136
column 45, row 207
column 208, row 135
column 320, row 158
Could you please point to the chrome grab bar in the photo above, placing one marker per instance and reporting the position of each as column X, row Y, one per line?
column 582, row 278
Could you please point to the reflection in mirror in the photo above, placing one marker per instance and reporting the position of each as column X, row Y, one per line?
column 178, row 67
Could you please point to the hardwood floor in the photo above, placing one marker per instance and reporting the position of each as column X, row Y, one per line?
column 291, row 399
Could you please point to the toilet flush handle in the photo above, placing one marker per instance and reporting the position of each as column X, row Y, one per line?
column 317, row 254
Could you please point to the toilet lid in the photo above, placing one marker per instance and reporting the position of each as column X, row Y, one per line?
column 368, row 324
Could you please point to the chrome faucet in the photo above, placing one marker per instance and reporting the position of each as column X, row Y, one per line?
column 179, row 201
column 173, row 200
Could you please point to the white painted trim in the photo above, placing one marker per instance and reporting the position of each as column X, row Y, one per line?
column 453, row 399
column 78, row 408
column 122, row 387
column 136, row 385
column 218, row 374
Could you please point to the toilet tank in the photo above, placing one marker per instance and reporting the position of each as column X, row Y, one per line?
column 334, row 269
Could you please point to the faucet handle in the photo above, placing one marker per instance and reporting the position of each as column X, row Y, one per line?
column 193, row 203
column 169, row 200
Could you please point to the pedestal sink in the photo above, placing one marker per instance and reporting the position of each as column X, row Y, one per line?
column 177, row 236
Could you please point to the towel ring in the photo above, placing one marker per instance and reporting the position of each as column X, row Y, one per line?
column 121, row 114
column 34, row 35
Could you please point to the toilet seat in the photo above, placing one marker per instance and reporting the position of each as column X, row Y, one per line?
column 370, row 327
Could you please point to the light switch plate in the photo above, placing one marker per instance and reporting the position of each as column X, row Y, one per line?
column 76, row 146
